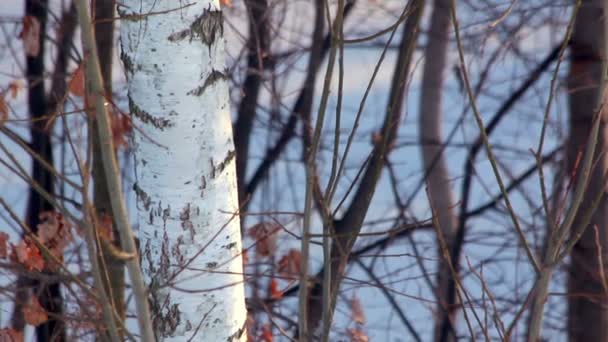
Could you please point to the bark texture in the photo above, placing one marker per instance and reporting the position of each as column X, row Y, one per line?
column 258, row 47
column 588, row 301
column 48, row 293
column 440, row 193
column 186, row 188
column 112, row 268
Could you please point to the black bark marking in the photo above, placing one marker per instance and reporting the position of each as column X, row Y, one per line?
column 215, row 170
column 147, row 118
column 237, row 334
column 164, row 262
column 127, row 62
column 203, row 185
column 177, row 254
column 214, row 77
column 124, row 14
column 180, row 35
column 230, row 245
column 208, row 27
column 166, row 214
column 142, row 196
column 185, row 218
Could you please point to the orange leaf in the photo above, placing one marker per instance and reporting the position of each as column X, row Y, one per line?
column 54, row 232
column 265, row 236
column 3, row 110
column 273, row 290
column 357, row 335
column 121, row 128
column 226, row 2
column 28, row 255
column 76, row 85
column 266, row 333
column 30, row 34
column 105, row 227
column 357, row 313
column 289, row 265
column 245, row 257
column 10, row 335
column 14, row 88
column 33, row 313
column 3, row 245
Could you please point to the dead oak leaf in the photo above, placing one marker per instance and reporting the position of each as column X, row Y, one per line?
column 30, row 34
column 33, row 313
column 289, row 265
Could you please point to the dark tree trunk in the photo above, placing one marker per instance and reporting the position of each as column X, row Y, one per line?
column 114, row 282
column 49, row 294
column 587, row 300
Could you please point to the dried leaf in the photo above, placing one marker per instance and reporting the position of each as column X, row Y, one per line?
column 273, row 290
column 357, row 313
column 265, row 236
column 357, row 335
column 28, row 255
column 89, row 308
column 54, row 232
column 30, row 34
column 3, row 245
column 14, row 88
column 76, row 84
column 3, row 110
column 11, row 335
column 105, row 228
column 245, row 257
column 289, row 265
column 266, row 333
column 33, row 313
column 121, row 128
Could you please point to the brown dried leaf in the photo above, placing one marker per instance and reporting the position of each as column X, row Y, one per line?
column 14, row 88
column 76, row 84
column 30, row 34
column 289, row 265
column 357, row 335
column 11, row 335
column 3, row 245
column 54, row 232
column 105, row 228
column 273, row 290
column 3, row 110
column 245, row 257
column 357, row 313
column 28, row 255
column 266, row 333
column 33, row 313
column 265, row 236
column 121, row 128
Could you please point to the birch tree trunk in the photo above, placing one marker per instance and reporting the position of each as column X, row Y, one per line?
column 190, row 242
column 587, row 313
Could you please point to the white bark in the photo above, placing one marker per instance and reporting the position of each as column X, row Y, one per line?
column 185, row 167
